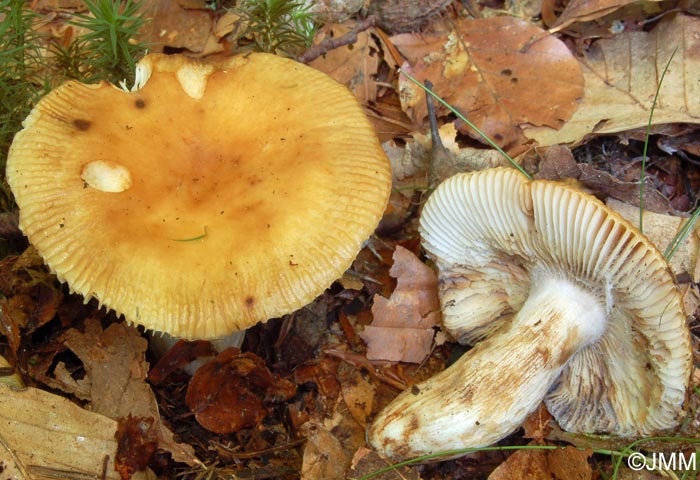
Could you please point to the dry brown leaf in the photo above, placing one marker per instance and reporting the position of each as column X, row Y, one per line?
column 621, row 76
column 524, row 465
column 173, row 25
column 585, row 11
column 367, row 462
column 115, row 377
column 358, row 393
column 409, row 164
column 568, row 463
column 402, row 326
column 354, row 65
column 330, row 443
column 493, row 73
column 43, row 432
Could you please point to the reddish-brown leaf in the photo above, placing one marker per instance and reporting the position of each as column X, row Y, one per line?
column 402, row 326
column 137, row 439
column 502, row 73
column 226, row 395
column 181, row 354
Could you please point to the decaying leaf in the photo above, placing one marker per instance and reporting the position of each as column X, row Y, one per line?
column 568, row 463
column 358, row 393
column 621, row 76
column 324, row 454
column 366, row 462
column 409, row 164
column 8, row 375
column 137, row 440
column 330, row 444
column 45, row 434
column 495, row 74
column 226, row 394
column 586, row 10
column 115, row 377
column 402, row 329
column 173, row 25
column 353, row 65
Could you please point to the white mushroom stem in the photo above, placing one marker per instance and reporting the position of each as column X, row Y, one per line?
column 490, row 390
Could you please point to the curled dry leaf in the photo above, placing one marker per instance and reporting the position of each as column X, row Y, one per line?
column 621, row 77
column 402, row 326
column 502, row 73
column 226, row 395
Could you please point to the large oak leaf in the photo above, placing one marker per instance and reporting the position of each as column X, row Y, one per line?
column 500, row 72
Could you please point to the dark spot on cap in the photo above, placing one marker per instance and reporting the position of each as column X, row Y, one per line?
column 140, row 103
column 82, row 124
column 507, row 72
column 249, row 301
column 514, row 80
column 415, row 390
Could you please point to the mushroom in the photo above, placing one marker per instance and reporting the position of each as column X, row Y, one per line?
column 211, row 197
column 566, row 302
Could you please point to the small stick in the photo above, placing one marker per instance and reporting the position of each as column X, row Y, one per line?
column 328, row 43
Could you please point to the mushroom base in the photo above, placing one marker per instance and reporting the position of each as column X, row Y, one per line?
column 491, row 389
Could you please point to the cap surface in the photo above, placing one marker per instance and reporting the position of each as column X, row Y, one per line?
column 213, row 197
column 492, row 233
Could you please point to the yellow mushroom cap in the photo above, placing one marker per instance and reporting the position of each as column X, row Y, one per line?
column 214, row 196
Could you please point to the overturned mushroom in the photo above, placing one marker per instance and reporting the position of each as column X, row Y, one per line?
column 213, row 196
column 569, row 304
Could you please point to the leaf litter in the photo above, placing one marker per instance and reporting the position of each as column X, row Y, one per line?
column 566, row 96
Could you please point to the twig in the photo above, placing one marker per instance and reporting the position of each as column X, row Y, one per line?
column 328, row 43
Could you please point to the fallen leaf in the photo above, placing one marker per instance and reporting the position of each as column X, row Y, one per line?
column 567, row 463
column 358, row 393
column 226, row 394
column 115, row 377
column 523, row 465
column 621, row 76
column 8, row 375
column 324, row 455
column 585, row 11
column 137, row 440
column 367, row 462
column 493, row 72
column 570, row 463
column 402, row 326
column 409, row 164
column 44, row 434
column 172, row 25
column 353, row 65
column 331, row 441
column 177, row 357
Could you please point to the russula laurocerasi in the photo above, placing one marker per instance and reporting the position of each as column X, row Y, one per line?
column 211, row 197
column 565, row 301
